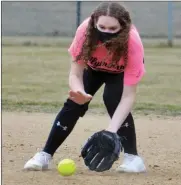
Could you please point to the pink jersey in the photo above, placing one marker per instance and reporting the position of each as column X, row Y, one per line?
column 134, row 70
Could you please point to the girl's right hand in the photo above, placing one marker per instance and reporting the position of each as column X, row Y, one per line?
column 79, row 97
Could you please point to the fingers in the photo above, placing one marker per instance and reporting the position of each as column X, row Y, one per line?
column 89, row 96
column 72, row 94
column 79, row 97
column 74, row 97
column 84, row 94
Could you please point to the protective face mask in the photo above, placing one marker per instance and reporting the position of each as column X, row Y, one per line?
column 105, row 36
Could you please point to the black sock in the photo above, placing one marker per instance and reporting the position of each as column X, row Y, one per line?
column 63, row 125
column 127, row 131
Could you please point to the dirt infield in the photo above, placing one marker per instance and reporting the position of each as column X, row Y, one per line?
column 25, row 133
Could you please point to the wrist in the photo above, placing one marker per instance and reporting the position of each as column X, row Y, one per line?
column 113, row 130
column 78, row 90
column 81, row 91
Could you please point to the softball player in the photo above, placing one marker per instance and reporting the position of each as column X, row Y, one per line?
column 106, row 49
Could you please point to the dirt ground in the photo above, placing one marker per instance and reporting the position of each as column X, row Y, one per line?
column 25, row 133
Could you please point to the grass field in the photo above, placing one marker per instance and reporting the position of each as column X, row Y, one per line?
column 35, row 78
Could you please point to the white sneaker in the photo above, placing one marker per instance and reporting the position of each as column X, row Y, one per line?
column 132, row 164
column 40, row 161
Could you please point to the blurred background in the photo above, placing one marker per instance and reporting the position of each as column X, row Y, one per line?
column 153, row 19
column 35, row 61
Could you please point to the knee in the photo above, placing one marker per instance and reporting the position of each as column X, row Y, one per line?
column 70, row 112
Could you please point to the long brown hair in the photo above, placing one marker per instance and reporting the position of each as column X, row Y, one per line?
column 117, row 46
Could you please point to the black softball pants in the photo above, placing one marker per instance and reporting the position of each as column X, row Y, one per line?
column 71, row 111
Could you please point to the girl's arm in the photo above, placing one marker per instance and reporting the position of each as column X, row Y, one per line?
column 77, row 92
column 76, row 77
column 123, row 109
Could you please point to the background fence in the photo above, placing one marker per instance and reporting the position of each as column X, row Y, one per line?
column 153, row 19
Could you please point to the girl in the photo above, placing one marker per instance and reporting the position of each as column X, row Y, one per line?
column 106, row 49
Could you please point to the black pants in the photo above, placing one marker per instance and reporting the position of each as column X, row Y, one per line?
column 70, row 113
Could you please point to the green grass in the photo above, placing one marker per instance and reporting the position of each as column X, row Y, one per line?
column 35, row 78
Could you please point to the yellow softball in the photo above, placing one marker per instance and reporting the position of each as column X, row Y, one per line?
column 66, row 167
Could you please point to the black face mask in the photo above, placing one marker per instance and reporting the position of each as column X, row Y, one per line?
column 104, row 36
